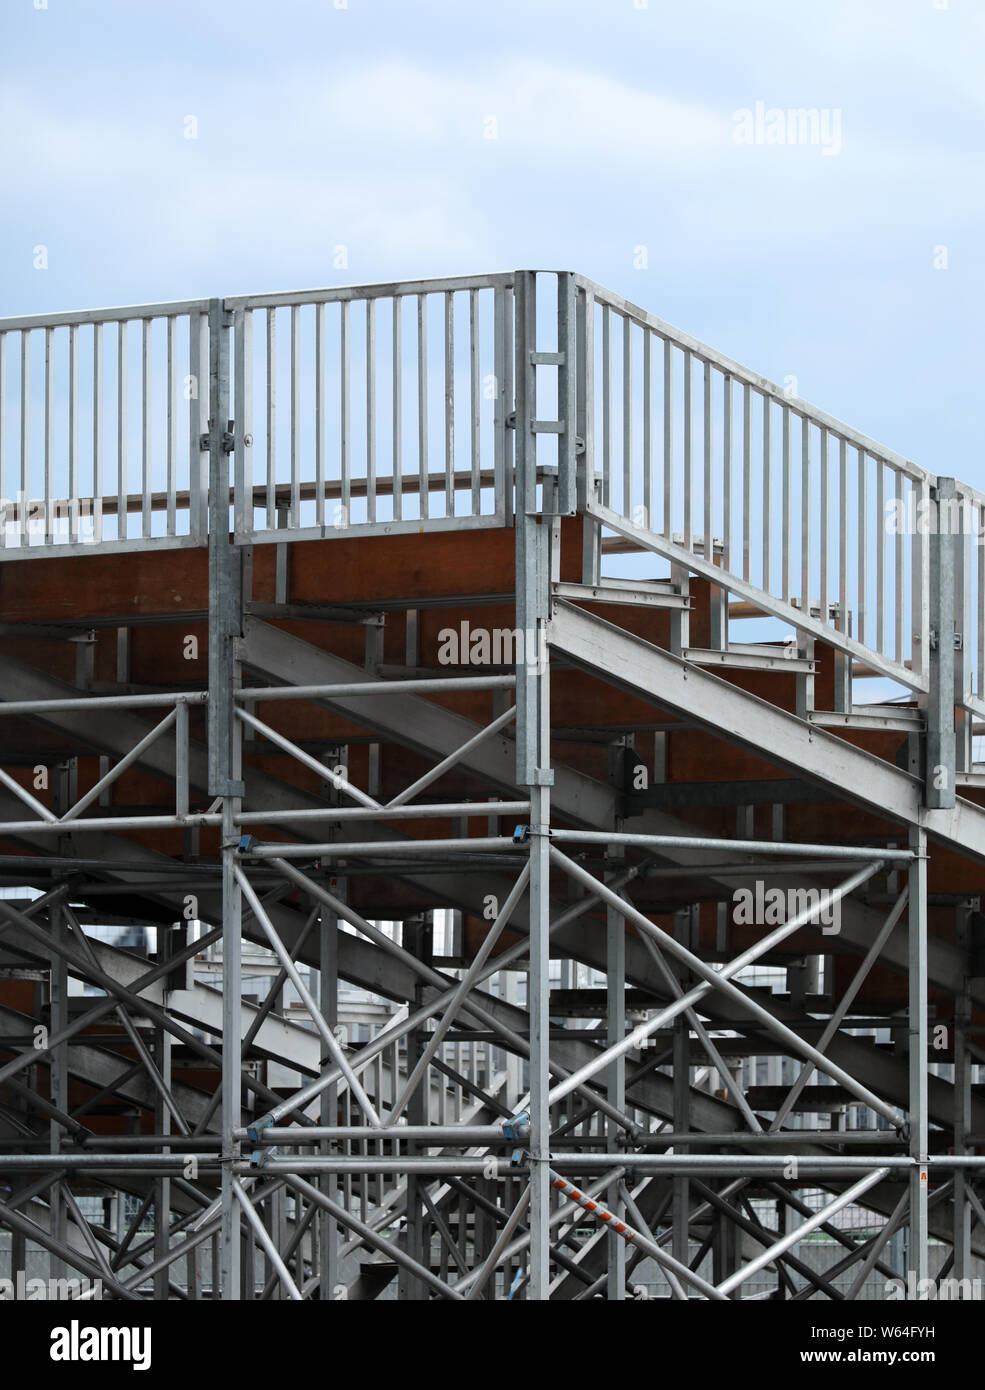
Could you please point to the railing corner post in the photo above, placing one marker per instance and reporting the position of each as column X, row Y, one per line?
column 939, row 776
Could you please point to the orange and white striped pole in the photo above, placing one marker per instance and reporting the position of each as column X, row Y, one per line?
column 601, row 1213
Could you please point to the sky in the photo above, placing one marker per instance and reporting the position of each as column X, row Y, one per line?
column 204, row 147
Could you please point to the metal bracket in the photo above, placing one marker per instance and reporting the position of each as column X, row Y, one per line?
column 227, row 442
column 256, row 1129
column 517, row 1128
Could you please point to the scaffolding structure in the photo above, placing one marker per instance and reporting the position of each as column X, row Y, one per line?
column 579, row 764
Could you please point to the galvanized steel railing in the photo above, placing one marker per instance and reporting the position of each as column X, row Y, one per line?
column 101, row 415
column 380, row 407
column 388, row 408
column 388, row 416
column 719, row 469
column 969, row 600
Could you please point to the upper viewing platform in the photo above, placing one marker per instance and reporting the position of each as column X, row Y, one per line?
column 381, row 409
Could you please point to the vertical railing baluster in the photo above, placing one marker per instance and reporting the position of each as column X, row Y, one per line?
column 708, row 448
column 397, row 411
column 825, row 534
column 767, row 494
column 726, row 474
column 172, row 429
column 606, row 405
column 74, row 511
column 898, row 604
column 862, row 549
column 49, row 435
column 921, row 583
column 146, row 424
column 320, row 418
column 198, row 358
column 567, row 461
column 688, row 450
column 97, row 431
column 4, row 499
column 747, row 482
column 843, row 623
column 422, row 407
column 880, row 523
column 271, row 408
column 647, row 431
column 980, row 626
column 449, row 431
column 962, row 602
column 243, row 414
column 627, row 417
column 786, row 528
column 370, row 410
column 502, row 485
column 668, row 434
column 345, row 410
column 196, row 523
column 805, row 516
column 509, row 367
column 294, row 509
column 121, row 431
column 475, row 441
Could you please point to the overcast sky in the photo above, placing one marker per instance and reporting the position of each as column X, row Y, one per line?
column 368, row 127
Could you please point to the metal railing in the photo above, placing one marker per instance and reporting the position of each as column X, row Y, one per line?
column 386, row 408
column 101, row 416
column 968, row 523
column 718, row 469
column 380, row 408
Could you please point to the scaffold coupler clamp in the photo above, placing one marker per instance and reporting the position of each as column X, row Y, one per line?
column 254, row 1130
column 517, row 1127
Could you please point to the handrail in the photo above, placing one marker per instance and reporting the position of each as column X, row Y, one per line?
column 836, row 428
column 389, row 406
column 683, row 443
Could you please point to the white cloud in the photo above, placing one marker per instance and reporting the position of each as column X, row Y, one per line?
column 389, row 159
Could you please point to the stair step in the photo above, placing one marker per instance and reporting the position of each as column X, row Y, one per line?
column 644, row 593
column 883, row 719
column 750, row 656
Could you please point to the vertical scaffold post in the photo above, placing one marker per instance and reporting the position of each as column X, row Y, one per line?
column 533, row 535
column 225, row 770
column 961, row 1206
column 328, row 1002
column 918, row 1257
column 615, row 982
column 58, row 1075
